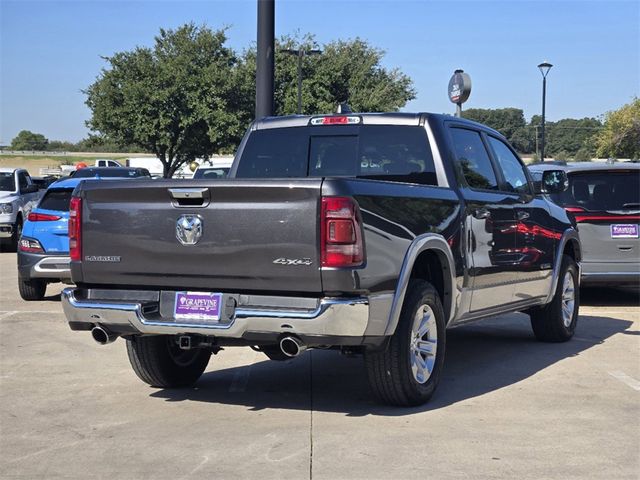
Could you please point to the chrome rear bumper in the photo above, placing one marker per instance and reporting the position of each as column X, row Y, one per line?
column 330, row 317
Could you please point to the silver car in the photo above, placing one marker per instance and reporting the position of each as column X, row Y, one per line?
column 604, row 198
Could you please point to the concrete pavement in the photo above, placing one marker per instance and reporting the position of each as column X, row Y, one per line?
column 507, row 406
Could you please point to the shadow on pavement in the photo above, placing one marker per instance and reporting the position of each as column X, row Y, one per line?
column 480, row 359
column 610, row 296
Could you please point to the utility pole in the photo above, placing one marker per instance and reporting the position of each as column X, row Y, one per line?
column 265, row 58
column 300, row 53
column 544, row 68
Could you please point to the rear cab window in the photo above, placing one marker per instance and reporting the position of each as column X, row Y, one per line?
column 56, row 199
column 385, row 152
column 601, row 190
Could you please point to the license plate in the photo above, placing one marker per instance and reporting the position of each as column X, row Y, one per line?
column 624, row 231
column 204, row 306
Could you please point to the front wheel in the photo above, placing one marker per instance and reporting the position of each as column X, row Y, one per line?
column 15, row 236
column 407, row 371
column 160, row 362
column 557, row 321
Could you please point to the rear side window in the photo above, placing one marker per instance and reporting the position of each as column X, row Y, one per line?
column 396, row 153
column 56, row 199
column 601, row 191
column 473, row 159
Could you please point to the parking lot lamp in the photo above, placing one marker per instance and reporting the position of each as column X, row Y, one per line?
column 300, row 53
column 544, row 68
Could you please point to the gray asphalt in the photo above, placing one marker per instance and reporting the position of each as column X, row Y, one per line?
column 507, row 407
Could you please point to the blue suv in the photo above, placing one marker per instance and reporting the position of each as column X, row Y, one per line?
column 43, row 249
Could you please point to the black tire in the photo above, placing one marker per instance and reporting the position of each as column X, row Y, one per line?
column 15, row 236
column 549, row 323
column 159, row 361
column 390, row 370
column 274, row 353
column 32, row 289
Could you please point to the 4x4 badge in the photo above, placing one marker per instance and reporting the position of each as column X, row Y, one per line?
column 293, row 261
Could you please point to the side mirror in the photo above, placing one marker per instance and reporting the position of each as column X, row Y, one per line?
column 553, row 181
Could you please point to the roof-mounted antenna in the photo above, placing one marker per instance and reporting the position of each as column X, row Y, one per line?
column 343, row 107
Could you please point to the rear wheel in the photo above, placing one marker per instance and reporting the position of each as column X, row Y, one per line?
column 32, row 289
column 160, row 362
column 407, row 371
column 557, row 321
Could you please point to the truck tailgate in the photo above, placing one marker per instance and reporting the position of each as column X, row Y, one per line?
column 256, row 235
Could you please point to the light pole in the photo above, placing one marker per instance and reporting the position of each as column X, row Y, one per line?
column 300, row 53
column 544, row 70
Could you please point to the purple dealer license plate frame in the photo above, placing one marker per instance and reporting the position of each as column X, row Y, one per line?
column 624, row 231
column 204, row 306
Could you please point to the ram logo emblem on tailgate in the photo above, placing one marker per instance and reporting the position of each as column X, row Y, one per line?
column 189, row 229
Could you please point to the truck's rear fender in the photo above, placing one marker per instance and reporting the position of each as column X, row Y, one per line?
column 400, row 221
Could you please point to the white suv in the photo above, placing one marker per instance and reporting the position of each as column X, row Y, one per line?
column 18, row 195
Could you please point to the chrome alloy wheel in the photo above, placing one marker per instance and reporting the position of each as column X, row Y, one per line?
column 423, row 343
column 568, row 299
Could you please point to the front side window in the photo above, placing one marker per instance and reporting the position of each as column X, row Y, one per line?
column 512, row 169
column 22, row 180
column 473, row 159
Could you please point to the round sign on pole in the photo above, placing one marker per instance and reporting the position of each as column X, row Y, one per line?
column 459, row 89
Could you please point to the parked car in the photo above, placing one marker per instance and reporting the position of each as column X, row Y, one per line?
column 370, row 233
column 111, row 172
column 43, row 249
column 604, row 199
column 18, row 195
column 215, row 169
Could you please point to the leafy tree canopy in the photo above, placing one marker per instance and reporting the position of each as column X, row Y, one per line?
column 26, row 140
column 620, row 136
column 508, row 121
column 346, row 71
column 190, row 96
column 174, row 99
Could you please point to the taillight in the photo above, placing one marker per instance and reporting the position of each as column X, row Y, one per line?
column 75, row 228
column 574, row 209
column 30, row 245
column 341, row 233
column 42, row 217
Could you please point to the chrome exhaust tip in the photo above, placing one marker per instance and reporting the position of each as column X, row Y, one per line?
column 292, row 346
column 102, row 336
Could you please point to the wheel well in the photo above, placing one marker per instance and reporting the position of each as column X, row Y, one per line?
column 573, row 250
column 432, row 266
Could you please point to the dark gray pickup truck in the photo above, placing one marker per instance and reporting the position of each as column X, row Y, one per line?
column 370, row 233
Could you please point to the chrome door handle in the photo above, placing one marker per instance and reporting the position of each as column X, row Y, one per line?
column 481, row 213
column 522, row 215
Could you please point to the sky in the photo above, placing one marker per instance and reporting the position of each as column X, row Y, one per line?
column 50, row 50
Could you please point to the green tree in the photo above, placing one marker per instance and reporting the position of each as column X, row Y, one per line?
column 26, row 140
column 570, row 135
column 346, row 71
column 175, row 99
column 60, row 146
column 508, row 121
column 620, row 136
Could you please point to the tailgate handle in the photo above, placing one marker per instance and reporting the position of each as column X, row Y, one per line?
column 190, row 197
